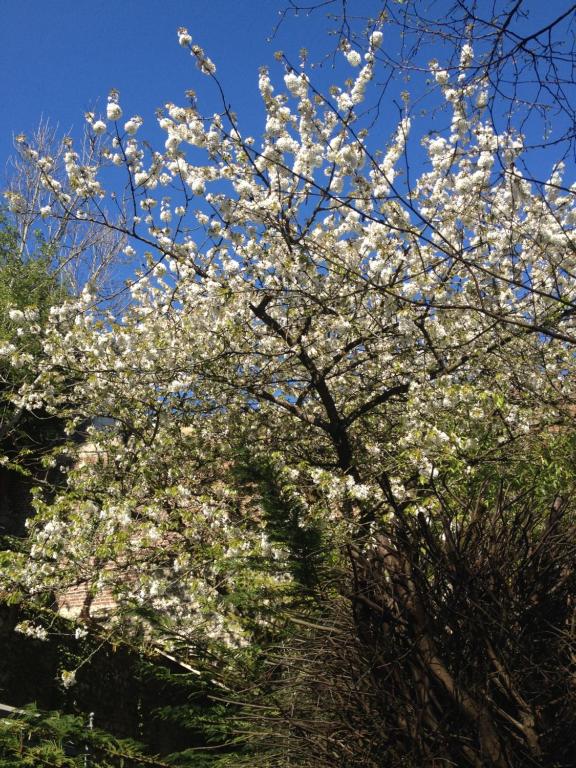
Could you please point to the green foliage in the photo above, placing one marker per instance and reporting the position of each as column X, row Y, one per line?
column 32, row 738
column 28, row 288
column 285, row 520
column 26, row 282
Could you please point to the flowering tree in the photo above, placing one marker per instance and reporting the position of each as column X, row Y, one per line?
column 380, row 342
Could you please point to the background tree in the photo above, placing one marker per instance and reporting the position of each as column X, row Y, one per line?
column 28, row 289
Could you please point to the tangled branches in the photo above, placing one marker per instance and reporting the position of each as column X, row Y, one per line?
column 459, row 650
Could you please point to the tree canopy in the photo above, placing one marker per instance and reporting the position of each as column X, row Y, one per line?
column 331, row 419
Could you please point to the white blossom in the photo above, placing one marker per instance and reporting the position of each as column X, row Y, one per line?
column 16, row 316
column 113, row 111
column 99, row 127
column 353, row 58
column 184, row 38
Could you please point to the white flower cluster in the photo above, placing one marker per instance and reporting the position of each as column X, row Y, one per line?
column 35, row 631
